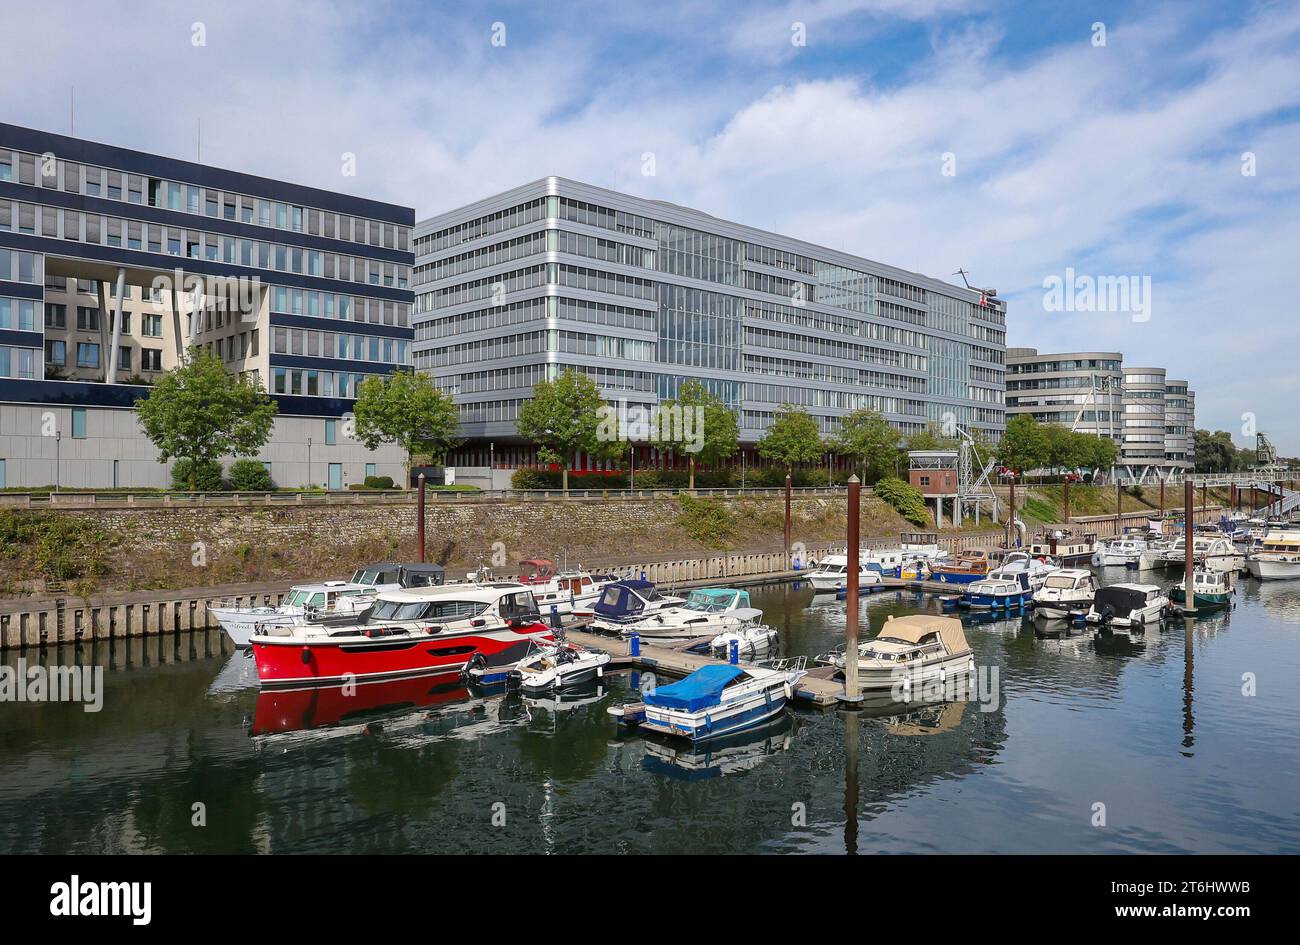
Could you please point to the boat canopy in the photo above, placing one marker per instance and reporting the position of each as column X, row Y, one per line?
column 419, row 574
column 536, row 569
column 699, row 690
column 714, row 599
column 916, row 627
column 1123, row 599
column 624, row 599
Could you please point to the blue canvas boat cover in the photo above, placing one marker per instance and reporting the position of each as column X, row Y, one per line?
column 699, row 690
column 623, row 599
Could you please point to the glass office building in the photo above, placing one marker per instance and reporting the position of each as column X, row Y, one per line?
column 114, row 262
column 642, row 295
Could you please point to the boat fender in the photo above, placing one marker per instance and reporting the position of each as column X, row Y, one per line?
column 306, row 654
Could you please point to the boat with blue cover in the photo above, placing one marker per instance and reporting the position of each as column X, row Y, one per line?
column 624, row 603
column 715, row 700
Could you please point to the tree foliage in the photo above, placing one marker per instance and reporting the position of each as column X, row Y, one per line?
column 870, row 441
column 563, row 417
column 792, row 438
column 201, row 412
column 719, row 430
column 406, row 408
column 1024, row 445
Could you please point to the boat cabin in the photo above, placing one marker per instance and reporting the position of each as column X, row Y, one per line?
column 536, row 570
column 1070, row 579
column 716, row 600
column 390, row 574
column 1124, row 599
column 456, row 602
column 918, row 636
column 1282, row 541
column 626, row 600
column 324, row 597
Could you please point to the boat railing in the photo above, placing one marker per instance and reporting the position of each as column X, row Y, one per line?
column 787, row 664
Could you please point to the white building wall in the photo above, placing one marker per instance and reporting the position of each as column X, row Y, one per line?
column 113, row 437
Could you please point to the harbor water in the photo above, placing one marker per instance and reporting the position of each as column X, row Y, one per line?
column 1182, row 739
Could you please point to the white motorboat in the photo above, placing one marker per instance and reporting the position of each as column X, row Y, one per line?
column 1064, row 546
column 558, row 666
column 1122, row 551
column 1216, row 552
column 746, row 631
column 1067, row 592
column 704, row 612
column 908, row 653
column 324, row 602
column 715, row 700
column 833, row 570
column 1278, row 557
column 561, row 591
column 1127, row 606
column 624, row 603
column 1016, row 563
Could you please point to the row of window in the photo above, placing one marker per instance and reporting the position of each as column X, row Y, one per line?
column 343, row 307
column 97, row 230
column 826, row 348
column 313, row 383
column 50, row 172
column 329, row 344
column 56, row 356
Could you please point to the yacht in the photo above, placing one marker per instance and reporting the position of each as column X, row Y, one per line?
column 1278, row 556
column 970, row 565
column 325, row 602
column 1216, row 552
column 1211, row 589
column 832, row 571
column 624, row 603
column 1122, row 551
column 1127, row 605
column 1015, row 563
column 909, row 652
column 1064, row 546
column 561, row 591
column 704, row 612
column 1067, row 592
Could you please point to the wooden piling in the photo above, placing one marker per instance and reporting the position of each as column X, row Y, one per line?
column 851, row 692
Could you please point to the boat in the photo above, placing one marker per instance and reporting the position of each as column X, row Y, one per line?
column 746, row 631
column 328, row 601
column 406, row 632
column 1067, row 592
column 624, row 603
column 390, row 575
column 970, row 565
column 1127, row 605
column 1278, row 556
column 716, row 700
column 704, row 612
column 558, row 591
column 832, row 573
column 1015, row 563
column 1122, row 551
column 560, row 665
column 909, row 652
column 1216, row 552
column 1065, row 546
column 1211, row 589
column 921, row 546
column 997, row 593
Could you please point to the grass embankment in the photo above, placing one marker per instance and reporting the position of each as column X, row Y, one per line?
column 1046, row 504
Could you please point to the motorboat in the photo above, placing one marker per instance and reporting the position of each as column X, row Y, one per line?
column 1127, row 605
column 406, row 632
column 1122, row 551
column 922, row 546
column 1015, row 563
column 909, row 652
column 326, row 602
column 1067, row 592
column 1211, row 589
column 997, row 593
column 624, row 603
column 1064, row 545
column 970, row 565
column 832, row 573
column 1216, row 552
column 391, row 575
column 716, row 700
column 1278, row 556
column 704, row 612
column 747, row 631
column 886, row 562
column 560, row 665
column 561, row 591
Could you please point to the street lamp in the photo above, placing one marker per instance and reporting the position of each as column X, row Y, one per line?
column 58, row 442
column 309, row 482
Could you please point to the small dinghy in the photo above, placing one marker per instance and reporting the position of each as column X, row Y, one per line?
column 748, row 633
column 561, row 666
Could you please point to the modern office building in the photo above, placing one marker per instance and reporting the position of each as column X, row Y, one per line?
column 1151, row 418
column 114, row 262
column 642, row 295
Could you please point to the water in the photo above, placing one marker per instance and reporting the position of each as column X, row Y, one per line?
column 1155, row 728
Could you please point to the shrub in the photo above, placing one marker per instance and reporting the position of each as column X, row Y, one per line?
column 906, row 500
column 207, row 479
column 249, row 475
column 379, row 482
column 707, row 521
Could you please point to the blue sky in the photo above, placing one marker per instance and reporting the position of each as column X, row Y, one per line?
column 1117, row 160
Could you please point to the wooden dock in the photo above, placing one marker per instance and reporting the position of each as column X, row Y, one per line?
column 815, row 690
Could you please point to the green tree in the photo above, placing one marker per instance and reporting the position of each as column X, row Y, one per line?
column 1097, row 452
column 564, row 416
column 713, row 426
column 1215, row 452
column 1023, row 446
column 870, row 441
column 792, row 438
column 406, row 408
column 201, row 412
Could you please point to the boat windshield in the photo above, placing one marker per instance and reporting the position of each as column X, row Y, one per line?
column 295, row 598
column 427, row 610
column 1063, row 583
column 709, row 603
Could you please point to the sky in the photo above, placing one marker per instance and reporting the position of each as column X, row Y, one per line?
column 1155, row 143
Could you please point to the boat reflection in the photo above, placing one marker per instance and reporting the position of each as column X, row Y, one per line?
column 729, row 754
column 295, row 710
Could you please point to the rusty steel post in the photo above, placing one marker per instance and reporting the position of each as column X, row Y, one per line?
column 851, row 593
column 419, row 519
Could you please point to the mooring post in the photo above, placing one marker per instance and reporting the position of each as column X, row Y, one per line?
column 1162, row 498
column 1119, row 504
column 1011, row 519
column 1189, row 497
column 733, row 652
column 634, row 644
column 788, row 484
column 1204, row 506
column 851, row 593
column 419, row 519
column 1067, row 501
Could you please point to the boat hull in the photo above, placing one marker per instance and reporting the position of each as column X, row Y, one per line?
column 944, row 576
column 1267, row 570
column 241, row 623
column 724, row 720
column 1202, row 601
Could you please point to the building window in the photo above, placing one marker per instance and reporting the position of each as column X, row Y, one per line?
column 330, row 432
column 370, row 470
column 87, row 318
column 150, row 359
column 56, row 316
column 78, row 423
column 56, row 353
column 87, row 355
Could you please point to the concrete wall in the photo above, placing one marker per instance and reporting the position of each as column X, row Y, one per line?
column 113, row 436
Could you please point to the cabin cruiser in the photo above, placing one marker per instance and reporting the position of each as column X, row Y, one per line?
column 390, row 575
column 1278, row 556
column 1064, row 546
column 624, row 603
column 560, row 665
column 1211, row 589
column 1127, row 605
column 705, row 612
column 922, row 546
column 717, row 699
column 747, row 631
column 1214, row 551
column 997, row 593
column 1067, row 592
column 833, row 570
column 970, row 565
column 1015, row 563
column 329, row 601
column 406, row 632
column 909, row 652
column 561, row 591
column 1122, row 551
